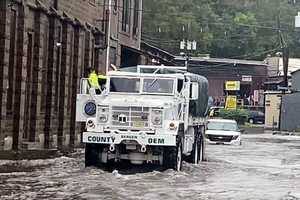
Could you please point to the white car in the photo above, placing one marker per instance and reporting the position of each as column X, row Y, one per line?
column 223, row 131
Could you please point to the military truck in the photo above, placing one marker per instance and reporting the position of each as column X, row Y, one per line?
column 146, row 114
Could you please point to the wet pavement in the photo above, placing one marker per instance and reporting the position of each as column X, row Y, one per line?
column 264, row 167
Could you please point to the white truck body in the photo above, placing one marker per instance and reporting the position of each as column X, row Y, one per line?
column 141, row 117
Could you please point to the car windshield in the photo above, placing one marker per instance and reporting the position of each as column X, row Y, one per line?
column 161, row 86
column 224, row 126
column 127, row 85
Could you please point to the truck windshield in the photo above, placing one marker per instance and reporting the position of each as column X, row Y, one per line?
column 161, row 86
column 127, row 85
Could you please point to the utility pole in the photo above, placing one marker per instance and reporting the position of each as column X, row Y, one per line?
column 187, row 46
column 285, row 60
column 108, row 37
column 285, row 56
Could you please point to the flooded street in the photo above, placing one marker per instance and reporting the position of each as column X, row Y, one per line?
column 264, row 167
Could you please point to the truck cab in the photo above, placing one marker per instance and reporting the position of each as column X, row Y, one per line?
column 144, row 116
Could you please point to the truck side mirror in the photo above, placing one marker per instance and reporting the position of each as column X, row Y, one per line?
column 194, row 91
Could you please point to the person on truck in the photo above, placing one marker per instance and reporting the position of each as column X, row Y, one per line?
column 93, row 81
column 102, row 82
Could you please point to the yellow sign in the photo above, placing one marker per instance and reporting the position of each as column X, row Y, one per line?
column 231, row 102
column 232, row 85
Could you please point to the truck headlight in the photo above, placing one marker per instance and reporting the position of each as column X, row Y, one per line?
column 156, row 117
column 103, row 112
column 156, row 120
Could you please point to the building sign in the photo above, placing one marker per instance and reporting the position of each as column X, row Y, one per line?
column 231, row 102
column 246, row 78
column 232, row 85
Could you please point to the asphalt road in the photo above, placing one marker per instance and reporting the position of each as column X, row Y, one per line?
column 264, row 167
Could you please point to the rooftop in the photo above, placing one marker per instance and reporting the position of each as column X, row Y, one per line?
column 223, row 60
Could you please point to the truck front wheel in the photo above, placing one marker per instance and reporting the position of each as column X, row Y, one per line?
column 91, row 155
column 173, row 157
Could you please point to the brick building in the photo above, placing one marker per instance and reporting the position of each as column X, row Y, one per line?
column 46, row 46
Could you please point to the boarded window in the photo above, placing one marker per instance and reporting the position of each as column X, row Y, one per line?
column 57, row 74
column 71, row 68
column 12, row 50
column 113, row 55
column 126, row 15
column 136, row 17
column 44, row 69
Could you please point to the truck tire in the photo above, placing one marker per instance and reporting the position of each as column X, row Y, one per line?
column 172, row 157
column 202, row 146
column 202, row 151
column 196, row 153
column 91, row 155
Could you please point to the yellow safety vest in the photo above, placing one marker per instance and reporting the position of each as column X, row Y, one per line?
column 93, row 80
column 103, row 77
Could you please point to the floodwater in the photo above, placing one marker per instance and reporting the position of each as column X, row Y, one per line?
column 264, row 167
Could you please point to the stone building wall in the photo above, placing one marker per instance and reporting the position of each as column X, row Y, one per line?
column 46, row 46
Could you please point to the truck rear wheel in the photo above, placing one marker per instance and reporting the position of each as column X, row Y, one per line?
column 197, row 154
column 201, row 150
column 173, row 157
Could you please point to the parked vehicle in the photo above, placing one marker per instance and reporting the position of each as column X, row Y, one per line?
column 154, row 114
column 214, row 111
column 223, row 131
column 256, row 117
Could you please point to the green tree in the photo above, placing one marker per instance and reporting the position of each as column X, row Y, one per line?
column 246, row 29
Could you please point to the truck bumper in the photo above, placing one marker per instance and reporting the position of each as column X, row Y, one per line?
column 141, row 138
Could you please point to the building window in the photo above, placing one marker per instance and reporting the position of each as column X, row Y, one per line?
column 136, row 17
column 126, row 15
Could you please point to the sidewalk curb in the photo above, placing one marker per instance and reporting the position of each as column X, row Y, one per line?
column 29, row 154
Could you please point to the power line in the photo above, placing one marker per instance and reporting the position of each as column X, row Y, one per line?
column 230, row 38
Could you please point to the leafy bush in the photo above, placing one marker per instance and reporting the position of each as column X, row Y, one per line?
column 240, row 115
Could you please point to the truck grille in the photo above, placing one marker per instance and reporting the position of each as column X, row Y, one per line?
column 220, row 138
column 135, row 117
